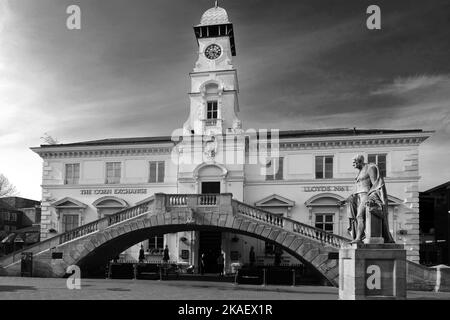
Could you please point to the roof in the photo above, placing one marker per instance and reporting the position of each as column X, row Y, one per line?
column 5, row 206
column 282, row 134
column 20, row 203
column 215, row 15
column 445, row 185
column 342, row 132
column 113, row 141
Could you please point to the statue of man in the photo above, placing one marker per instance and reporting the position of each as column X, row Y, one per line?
column 370, row 192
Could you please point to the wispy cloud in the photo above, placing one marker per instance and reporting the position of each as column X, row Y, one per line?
column 402, row 86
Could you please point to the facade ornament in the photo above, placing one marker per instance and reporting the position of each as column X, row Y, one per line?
column 237, row 126
column 190, row 217
column 210, row 148
column 200, row 112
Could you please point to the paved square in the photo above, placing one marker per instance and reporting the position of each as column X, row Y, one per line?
column 16, row 288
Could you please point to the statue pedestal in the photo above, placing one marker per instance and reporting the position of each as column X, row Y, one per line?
column 372, row 272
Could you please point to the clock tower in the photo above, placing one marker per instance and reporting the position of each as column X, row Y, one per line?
column 212, row 149
column 214, row 86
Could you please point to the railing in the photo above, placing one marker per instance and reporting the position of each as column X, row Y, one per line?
column 259, row 214
column 290, row 225
column 319, row 234
column 194, row 200
column 105, row 222
column 128, row 213
column 79, row 232
column 210, row 122
column 207, row 200
column 174, row 200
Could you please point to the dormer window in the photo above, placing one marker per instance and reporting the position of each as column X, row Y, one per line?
column 211, row 110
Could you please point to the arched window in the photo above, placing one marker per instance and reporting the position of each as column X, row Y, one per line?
column 324, row 212
column 109, row 205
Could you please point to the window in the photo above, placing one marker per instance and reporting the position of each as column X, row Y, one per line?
column 324, row 167
column 11, row 216
column 72, row 173
column 269, row 248
column 274, row 169
column 211, row 110
column 324, row 222
column 113, row 172
column 380, row 161
column 156, row 171
column 156, row 244
column 70, row 221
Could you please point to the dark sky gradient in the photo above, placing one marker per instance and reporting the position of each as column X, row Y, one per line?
column 303, row 64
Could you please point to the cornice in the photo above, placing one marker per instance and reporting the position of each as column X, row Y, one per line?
column 351, row 142
column 108, row 186
column 100, row 151
column 206, row 72
column 224, row 92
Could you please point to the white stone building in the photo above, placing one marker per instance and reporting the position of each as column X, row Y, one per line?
column 302, row 176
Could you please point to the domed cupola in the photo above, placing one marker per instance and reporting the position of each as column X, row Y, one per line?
column 215, row 15
column 215, row 23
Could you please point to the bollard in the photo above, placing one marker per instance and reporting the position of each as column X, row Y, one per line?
column 293, row 277
column 235, row 277
column 264, row 277
column 134, row 271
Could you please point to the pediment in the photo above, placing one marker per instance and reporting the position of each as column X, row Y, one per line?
column 324, row 200
column 110, row 202
column 69, row 203
column 275, row 200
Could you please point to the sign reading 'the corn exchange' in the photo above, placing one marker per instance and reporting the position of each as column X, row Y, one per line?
column 113, row 191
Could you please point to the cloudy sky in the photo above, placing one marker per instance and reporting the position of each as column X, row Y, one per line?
column 302, row 64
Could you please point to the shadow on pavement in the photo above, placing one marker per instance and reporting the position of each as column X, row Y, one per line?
column 117, row 289
column 15, row 288
column 256, row 288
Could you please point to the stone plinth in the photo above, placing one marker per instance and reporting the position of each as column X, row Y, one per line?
column 372, row 271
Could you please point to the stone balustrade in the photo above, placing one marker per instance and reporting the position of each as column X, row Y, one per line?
column 290, row 225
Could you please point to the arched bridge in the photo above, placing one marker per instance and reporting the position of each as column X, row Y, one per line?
column 95, row 243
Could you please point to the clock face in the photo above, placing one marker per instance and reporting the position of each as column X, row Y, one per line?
column 213, row 51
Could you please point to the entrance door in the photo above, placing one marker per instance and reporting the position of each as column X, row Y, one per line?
column 210, row 245
column 211, row 187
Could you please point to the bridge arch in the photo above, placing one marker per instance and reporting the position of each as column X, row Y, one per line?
column 92, row 245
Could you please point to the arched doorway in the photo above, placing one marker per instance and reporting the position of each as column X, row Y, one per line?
column 211, row 179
